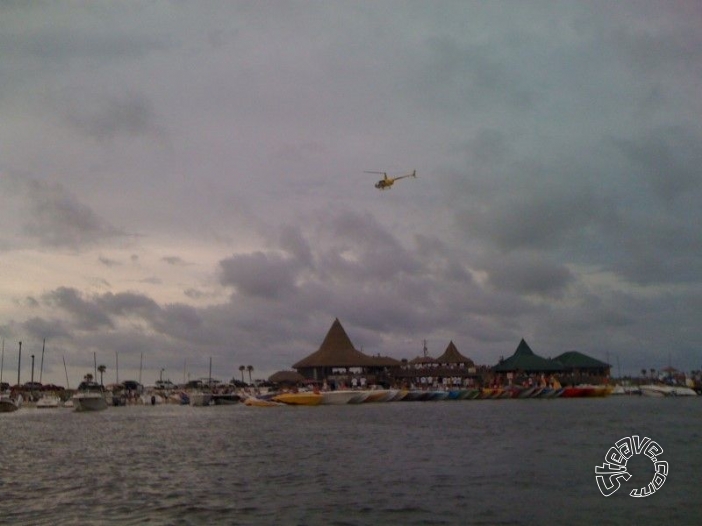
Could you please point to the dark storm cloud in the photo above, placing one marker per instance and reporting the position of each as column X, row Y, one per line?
column 259, row 274
column 54, row 217
column 528, row 273
column 85, row 38
column 39, row 328
column 557, row 147
column 109, row 262
column 128, row 304
column 84, row 312
column 129, row 115
column 666, row 160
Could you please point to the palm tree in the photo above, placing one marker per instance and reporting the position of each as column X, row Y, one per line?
column 250, row 369
column 643, row 373
column 88, row 377
column 242, row 368
column 101, row 369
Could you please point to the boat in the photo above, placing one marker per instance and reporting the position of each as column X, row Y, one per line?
column 8, row 404
column 225, row 398
column 400, row 395
column 200, row 398
column 90, row 397
column 380, row 395
column 360, row 397
column 338, row 397
column 48, row 402
column 253, row 401
column 436, row 396
column 660, row 391
column 304, row 398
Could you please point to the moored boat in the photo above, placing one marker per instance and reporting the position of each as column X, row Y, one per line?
column 225, row 398
column 8, row 404
column 303, row 398
column 380, row 395
column 338, row 397
column 659, row 391
column 253, row 401
column 360, row 397
column 200, row 398
column 90, row 397
column 48, row 402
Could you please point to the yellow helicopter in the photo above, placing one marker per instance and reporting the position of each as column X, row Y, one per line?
column 387, row 182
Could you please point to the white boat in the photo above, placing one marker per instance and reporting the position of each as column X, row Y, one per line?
column 200, row 399
column 9, row 404
column 666, row 390
column 338, row 397
column 360, row 397
column 90, row 397
column 48, row 402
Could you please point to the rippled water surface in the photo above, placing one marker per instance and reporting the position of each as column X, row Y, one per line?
column 453, row 462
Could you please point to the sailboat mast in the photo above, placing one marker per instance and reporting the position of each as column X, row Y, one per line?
column 117, row 365
column 141, row 364
column 68, row 386
column 19, row 363
column 41, row 367
column 2, row 360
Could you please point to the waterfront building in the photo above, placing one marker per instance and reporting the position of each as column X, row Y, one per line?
column 340, row 364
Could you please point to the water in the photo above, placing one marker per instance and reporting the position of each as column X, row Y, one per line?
column 485, row 462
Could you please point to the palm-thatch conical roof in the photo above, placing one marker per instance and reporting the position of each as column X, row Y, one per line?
column 525, row 360
column 286, row 377
column 336, row 351
column 451, row 355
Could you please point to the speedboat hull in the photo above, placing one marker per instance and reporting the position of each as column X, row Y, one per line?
column 666, row 390
column 299, row 398
column 48, row 402
column 200, row 399
column 89, row 402
column 338, row 397
column 7, row 405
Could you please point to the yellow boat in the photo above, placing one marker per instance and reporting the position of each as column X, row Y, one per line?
column 260, row 402
column 299, row 398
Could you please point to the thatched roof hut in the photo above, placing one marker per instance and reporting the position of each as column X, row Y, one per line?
column 336, row 351
column 452, row 356
column 286, row 378
column 337, row 356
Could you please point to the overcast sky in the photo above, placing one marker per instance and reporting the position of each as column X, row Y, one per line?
column 184, row 180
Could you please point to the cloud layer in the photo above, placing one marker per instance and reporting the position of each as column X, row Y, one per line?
column 194, row 188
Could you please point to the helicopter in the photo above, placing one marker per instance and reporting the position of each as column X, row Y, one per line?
column 387, row 182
